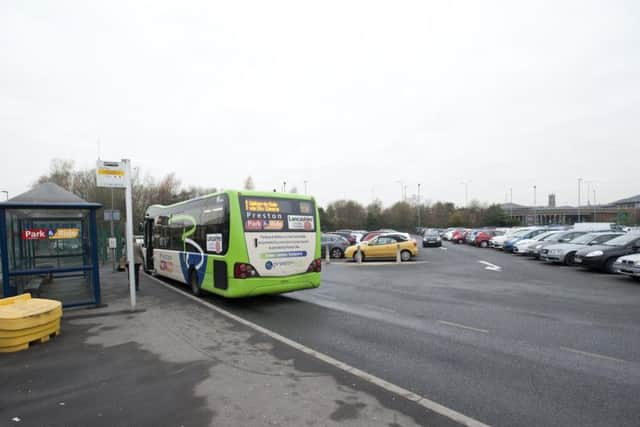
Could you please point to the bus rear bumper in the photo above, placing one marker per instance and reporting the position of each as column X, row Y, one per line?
column 277, row 285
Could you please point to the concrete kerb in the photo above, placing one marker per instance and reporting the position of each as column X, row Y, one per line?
column 390, row 387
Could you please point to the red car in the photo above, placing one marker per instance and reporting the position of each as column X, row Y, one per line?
column 458, row 236
column 483, row 237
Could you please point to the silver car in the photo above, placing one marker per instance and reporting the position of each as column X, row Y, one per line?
column 629, row 265
column 564, row 253
column 335, row 243
column 535, row 249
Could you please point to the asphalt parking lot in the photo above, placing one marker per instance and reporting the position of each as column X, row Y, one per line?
column 506, row 340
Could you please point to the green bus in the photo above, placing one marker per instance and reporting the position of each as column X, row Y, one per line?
column 236, row 243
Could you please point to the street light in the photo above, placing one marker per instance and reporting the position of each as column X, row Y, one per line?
column 535, row 206
column 466, row 192
column 284, row 186
column 579, row 190
column 6, row 193
column 419, row 205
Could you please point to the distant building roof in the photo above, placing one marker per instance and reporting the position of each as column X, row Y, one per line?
column 512, row 205
column 628, row 200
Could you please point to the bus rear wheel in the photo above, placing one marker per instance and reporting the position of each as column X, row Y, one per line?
column 193, row 281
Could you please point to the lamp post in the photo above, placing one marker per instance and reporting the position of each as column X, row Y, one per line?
column 284, row 186
column 6, row 193
column 579, row 190
column 419, row 208
column 466, row 192
column 305, row 188
column 594, row 206
column 535, row 206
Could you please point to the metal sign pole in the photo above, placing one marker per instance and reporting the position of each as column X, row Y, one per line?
column 129, row 232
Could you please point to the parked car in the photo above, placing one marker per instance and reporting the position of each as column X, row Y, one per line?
column 347, row 235
column 431, row 238
column 498, row 241
column 521, row 247
column 336, row 243
column 484, row 236
column 370, row 236
column 564, row 253
column 602, row 257
column 458, row 235
column 535, row 249
column 526, row 233
column 384, row 246
column 629, row 265
column 470, row 236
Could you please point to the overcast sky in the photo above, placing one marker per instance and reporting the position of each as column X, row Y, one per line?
column 349, row 96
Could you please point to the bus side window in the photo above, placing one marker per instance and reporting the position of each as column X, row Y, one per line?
column 214, row 220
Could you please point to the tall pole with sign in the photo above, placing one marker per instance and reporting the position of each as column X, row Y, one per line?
column 129, row 231
column 118, row 175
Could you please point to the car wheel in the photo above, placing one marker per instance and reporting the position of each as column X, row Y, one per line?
column 336, row 253
column 570, row 258
column 459, row 241
column 405, row 255
column 484, row 244
column 193, row 281
column 608, row 266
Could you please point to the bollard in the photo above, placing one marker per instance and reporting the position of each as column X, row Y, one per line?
column 398, row 257
column 359, row 255
column 327, row 255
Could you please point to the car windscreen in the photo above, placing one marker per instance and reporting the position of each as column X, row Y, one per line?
column 584, row 239
column 275, row 214
column 622, row 240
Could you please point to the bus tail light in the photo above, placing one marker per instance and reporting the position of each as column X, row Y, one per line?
column 242, row 270
column 315, row 266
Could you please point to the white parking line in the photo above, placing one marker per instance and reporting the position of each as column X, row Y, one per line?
column 443, row 248
column 599, row 356
column 390, row 387
column 458, row 325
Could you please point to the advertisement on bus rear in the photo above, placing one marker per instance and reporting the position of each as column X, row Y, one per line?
column 280, row 234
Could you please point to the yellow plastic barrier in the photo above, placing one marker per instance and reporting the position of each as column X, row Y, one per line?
column 24, row 319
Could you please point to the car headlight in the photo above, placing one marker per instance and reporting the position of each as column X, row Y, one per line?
column 538, row 246
column 594, row 253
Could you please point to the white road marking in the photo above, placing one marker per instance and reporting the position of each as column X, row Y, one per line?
column 599, row 356
column 390, row 387
column 367, row 264
column 377, row 307
column 457, row 325
column 490, row 266
column 323, row 296
column 443, row 248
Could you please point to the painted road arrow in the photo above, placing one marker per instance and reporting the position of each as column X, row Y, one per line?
column 490, row 266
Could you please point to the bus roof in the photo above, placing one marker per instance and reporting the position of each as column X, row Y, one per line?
column 278, row 195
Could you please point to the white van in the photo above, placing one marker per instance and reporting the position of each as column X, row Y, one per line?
column 596, row 226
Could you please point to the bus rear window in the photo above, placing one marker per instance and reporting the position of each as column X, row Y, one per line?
column 274, row 214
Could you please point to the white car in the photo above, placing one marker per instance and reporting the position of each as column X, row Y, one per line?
column 525, row 246
column 498, row 241
column 629, row 265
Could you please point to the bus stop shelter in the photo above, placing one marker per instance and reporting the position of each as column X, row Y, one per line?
column 49, row 246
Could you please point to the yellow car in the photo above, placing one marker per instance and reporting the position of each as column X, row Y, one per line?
column 384, row 246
